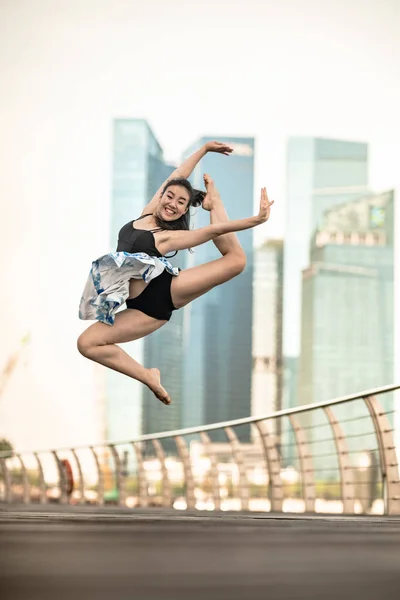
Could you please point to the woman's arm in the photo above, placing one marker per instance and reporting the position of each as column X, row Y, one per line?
column 182, row 240
column 186, row 169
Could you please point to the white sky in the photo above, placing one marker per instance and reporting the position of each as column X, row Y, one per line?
column 269, row 69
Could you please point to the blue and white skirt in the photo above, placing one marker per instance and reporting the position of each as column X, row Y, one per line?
column 107, row 285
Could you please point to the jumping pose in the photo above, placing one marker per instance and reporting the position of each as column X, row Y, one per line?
column 163, row 227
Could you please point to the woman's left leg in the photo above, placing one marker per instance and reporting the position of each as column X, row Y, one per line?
column 194, row 282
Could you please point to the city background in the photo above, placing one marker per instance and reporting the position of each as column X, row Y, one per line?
column 99, row 106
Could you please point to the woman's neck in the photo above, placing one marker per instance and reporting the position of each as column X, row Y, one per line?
column 147, row 222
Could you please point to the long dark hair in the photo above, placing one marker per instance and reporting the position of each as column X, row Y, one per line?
column 196, row 197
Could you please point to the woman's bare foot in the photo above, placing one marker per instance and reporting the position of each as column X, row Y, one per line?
column 207, row 203
column 212, row 192
column 155, row 385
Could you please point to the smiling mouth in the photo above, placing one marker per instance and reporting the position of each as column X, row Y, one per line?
column 169, row 211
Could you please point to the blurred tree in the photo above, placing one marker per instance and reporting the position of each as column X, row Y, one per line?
column 6, row 446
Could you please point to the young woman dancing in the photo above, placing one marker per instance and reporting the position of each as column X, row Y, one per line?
column 154, row 288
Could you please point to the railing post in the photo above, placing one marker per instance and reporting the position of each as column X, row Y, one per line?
column 142, row 480
column 166, row 485
column 25, row 481
column 238, row 458
column 273, row 465
column 306, row 465
column 61, row 479
column 42, row 483
column 7, row 481
column 213, row 471
column 187, row 469
column 100, row 477
column 345, row 469
column 387, row 453
column 81, row 479
column 118, row 476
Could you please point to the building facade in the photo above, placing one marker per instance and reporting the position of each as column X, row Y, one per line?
column 164, row 349
column 267, row 381
column 218, row 326
column 138, row 170
column 347, row 341
column 321, row 173
column 348, row 302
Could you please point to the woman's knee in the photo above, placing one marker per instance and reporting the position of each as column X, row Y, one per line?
column 239, row 261
column 85, row 346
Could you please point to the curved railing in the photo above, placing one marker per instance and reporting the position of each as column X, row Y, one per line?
column 335, row 456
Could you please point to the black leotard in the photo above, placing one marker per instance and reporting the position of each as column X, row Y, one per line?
column 155, row 300
column 137, row 240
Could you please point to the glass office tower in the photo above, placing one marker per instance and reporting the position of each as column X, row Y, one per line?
column 321, row 173
column 218, row 326
column 138, row 170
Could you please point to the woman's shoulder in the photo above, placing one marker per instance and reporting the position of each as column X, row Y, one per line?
column 143, row 215
column 129, row 224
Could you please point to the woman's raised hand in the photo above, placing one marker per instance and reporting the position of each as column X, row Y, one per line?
column 265, row 206
column 220, row 147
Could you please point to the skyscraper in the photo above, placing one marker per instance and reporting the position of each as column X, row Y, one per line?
column 138, row 170
column 267, row 328
column 164, row 349
column 322, row 173
column 347, row 321
column 218, row 326
column 348, row 308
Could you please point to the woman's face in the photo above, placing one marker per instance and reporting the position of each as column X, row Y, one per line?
column 173, row 203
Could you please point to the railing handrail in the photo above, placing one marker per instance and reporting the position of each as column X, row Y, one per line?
column 216, row 426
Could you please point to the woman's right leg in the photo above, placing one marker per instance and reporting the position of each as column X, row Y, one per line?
column 99, row 343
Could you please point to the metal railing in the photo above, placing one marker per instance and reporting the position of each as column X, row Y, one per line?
column 336, row 456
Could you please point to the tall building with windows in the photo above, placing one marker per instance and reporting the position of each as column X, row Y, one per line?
column 267, row 328
column 348, row 301
column 138, row 171
column 218, row 325
column 164, row 349
column 321, row 174
column 347, row 341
